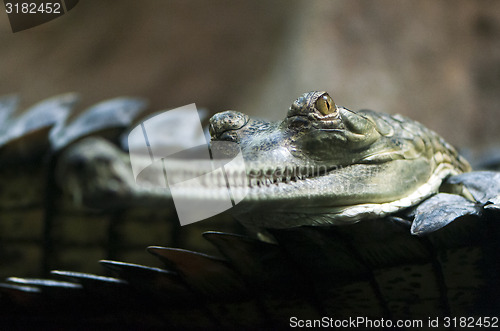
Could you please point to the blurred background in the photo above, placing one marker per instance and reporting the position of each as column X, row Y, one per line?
column 435, row 61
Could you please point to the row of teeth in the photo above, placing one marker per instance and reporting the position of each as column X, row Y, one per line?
column 255, row 178
column 286, row 175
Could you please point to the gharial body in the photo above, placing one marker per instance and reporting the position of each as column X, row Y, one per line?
column 322, row 164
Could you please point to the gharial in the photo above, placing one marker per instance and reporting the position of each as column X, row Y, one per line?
column 322, row 164
column 308, row 180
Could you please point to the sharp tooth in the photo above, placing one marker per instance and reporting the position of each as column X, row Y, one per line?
column 287, row 174
column 278, row 171
column 300, row 173
column 253, row 174
column 307, row 171
column 252, row 178
column 278, row 175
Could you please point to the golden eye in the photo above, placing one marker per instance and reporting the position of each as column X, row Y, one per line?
column 325, row 105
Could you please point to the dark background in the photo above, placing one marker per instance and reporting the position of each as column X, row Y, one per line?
column 435, row 61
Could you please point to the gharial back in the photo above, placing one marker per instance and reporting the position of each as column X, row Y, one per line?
column 424, row 140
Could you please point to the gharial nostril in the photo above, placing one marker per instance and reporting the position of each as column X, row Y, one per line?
column 226, row 121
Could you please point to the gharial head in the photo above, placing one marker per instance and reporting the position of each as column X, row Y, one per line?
column 315, row 130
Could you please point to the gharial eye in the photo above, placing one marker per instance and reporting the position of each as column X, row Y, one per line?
column 325, row 105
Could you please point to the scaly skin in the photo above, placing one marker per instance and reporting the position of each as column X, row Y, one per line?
column 332, row 165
